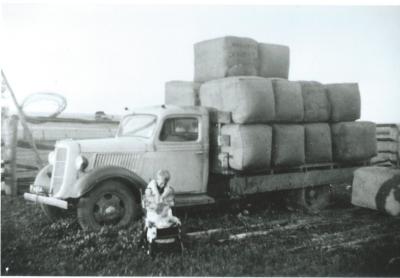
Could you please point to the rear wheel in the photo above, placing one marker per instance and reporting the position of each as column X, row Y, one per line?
column 111, row 203
column 313, row 198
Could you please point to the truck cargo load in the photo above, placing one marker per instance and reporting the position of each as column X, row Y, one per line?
column 288, row 145
column 318, row 143
column 315, row 100
column 249, row 146
column 249, row 99
column 223, row 57
column 353, row 141
column 182, row 93
column 274, row 60
column 345, row 101
column 288, row 101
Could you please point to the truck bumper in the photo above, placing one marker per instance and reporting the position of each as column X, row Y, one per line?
column 46, row 200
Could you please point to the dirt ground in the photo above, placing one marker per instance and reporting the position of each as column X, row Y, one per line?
column 340, row 241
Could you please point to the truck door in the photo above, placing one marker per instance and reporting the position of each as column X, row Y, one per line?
column 182, row 150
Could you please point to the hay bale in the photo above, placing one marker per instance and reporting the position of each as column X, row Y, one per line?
column 377, row 188
column 345, row 101
column 274, row 60
column 288, row 101
column 249, row 99
column 288, row 145
column 250, row 146
column 223, row 57
column 318, row 146
column 353, row 141
column 182, row 93
column 315, row 100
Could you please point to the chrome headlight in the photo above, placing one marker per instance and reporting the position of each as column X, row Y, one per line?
column 51, row 157
column 81, row 163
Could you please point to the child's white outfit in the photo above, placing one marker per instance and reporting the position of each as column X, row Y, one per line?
column 158, row 202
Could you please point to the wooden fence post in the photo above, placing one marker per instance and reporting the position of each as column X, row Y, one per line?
column 10, row 155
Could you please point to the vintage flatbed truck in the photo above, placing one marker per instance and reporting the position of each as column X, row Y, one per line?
column 103, row 179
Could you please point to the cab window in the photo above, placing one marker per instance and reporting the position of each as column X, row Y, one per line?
column 180, row 130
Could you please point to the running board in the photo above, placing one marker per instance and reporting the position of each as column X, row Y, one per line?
column 186, row 200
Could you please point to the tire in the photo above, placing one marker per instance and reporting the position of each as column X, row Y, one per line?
column 111, row 203
column 311, row 199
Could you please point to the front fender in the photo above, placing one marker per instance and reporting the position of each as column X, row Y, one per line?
column 42, row 178
column 95, row 176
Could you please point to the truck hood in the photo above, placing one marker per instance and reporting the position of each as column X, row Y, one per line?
column 118, row 144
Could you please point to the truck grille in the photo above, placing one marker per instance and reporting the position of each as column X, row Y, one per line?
column 59, row 169
column 124, row 160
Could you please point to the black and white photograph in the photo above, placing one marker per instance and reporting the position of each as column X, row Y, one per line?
column 201, row 138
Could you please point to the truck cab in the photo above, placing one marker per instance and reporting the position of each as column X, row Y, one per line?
column 104, row 178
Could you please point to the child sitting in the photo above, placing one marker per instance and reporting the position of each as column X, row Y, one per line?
column 157, row 202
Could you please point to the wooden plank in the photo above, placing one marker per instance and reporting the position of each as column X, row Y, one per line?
column 388, row 146
column 387, row 132
column 245, row 185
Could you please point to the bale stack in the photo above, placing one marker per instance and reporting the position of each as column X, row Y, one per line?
column 275, row 123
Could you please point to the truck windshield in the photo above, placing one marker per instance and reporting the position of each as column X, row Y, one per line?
column 137, row 126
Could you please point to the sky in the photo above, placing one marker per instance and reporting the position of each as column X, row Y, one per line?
column 107, row 57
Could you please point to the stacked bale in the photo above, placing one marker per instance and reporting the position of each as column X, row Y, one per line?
column 223, row 57
column 182, row 93
column 345, row 101
column 274, row 60
column 353, row 141
column 288, row 145
column 274, row 122
column 249, row 99
column 250, row 146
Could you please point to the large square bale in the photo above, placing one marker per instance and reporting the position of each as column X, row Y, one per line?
column 223, row 57
column 377, row 188
column 345, row 101
column 288, row 101
column 353, row 141
column 318, row 146
column 182, row 93
column 274, row 60
column 250, row 146
column 249, row 99
column 288, row 145
column 315, row 100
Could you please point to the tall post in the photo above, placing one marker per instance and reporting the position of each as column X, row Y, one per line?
column 10, row 156
column 23, row 122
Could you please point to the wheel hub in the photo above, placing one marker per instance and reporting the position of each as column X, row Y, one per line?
column 109, row 209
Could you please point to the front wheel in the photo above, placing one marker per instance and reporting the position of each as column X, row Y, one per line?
column 111, row 203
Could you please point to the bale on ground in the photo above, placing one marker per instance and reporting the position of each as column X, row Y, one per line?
column 288, row 101
column 345, row 101
column 353, row 141
column 377, row 188
column 223, row 57
column 250, row 146
column 318, row 146
column 274, row 60
column 249, row 99
column 288, row 145
column 182, row 93
column 315, row 100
